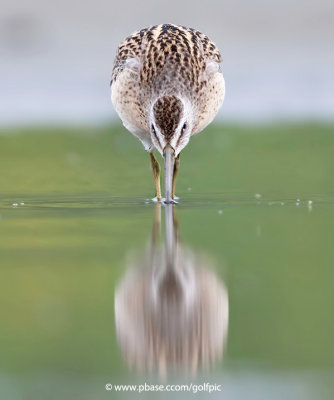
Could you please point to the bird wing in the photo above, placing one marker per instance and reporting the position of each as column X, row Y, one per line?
column 133, row 51
column 209, row 49
column 128, row 54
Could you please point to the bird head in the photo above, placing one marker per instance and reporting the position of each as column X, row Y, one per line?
column 171, row 124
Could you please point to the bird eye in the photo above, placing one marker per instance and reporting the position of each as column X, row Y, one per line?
column 184, row 127
column 153, row 129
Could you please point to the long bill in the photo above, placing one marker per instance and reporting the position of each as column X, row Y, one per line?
column 169, row 157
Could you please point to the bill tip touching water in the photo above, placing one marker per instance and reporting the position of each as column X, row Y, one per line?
column 167, row 86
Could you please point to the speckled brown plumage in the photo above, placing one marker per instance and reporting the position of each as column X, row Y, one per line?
column 165, row 60
column 185, row 48
column 166, row 86
column 171, row 107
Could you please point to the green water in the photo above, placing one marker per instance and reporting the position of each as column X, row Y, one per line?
column 258, row 202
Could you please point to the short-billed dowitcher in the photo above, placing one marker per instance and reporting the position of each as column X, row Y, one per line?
column 167, row 86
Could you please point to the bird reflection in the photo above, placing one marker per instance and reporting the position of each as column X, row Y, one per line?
column 171, row 311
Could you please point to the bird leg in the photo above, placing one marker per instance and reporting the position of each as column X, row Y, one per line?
column 156, row 174
column 175, row 171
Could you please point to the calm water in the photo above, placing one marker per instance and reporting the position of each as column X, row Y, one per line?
column 62, row 259
column 229, row 287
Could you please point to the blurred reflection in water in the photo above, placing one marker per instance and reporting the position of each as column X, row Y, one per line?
column 171, row 310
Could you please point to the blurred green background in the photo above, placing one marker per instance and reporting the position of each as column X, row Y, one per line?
column 258, row 200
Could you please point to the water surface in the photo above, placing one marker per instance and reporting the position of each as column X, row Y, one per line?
column 87, row 220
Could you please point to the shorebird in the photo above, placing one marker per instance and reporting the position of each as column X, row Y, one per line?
column 166, row 86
